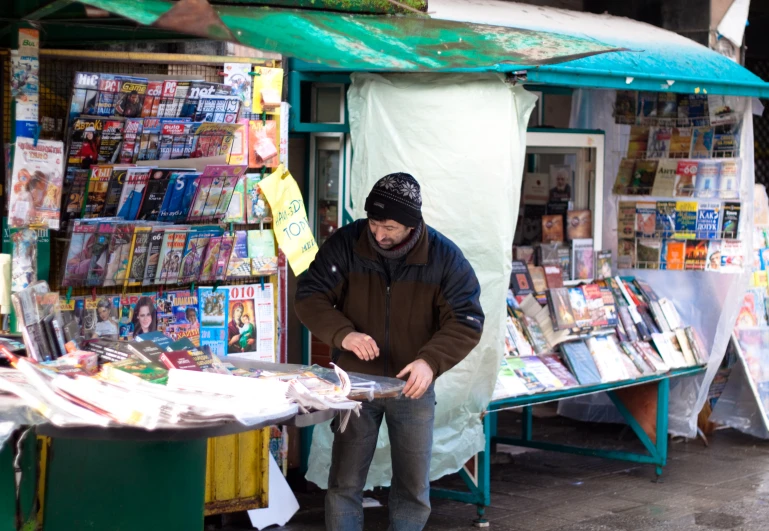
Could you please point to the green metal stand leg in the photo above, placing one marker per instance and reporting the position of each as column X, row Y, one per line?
column 663, row 396
column 125, row 485
column 7, row 489
column 527, row 423
column 484, row 474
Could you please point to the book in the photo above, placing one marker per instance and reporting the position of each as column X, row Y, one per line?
column 624, row 176
column 111, row 141
column 626, row 258
column 646, row 219
column 723, row 109
column 667, row 107
column 608, row 361
column 676, row 255
column 665, row 178
column 535, row 188
column 697, row 345
column 686, row 349
column 534, row 334
column 580, row 310
column 594, row 299
column 98, row 182
column 666, row 219
column 524, row 253
column 582, row 259
column 603, row 264
column 731, row 220
column 708, row 220
column 732, row 256
column 139, row 369
column 625, row 107
column 553, row 276
column 650, row 356
column 638, row 142
column 686, row 219
column 564, row 257
column 580, row 362
column 646, row 106
column 636, row 358
column 708, row 173
column 680, row 142
column 609, row 306
column 696, row 254
column 659, row 142
column 37, row 177
column 668, row 351
column 686, row 173
column 726, row 140
column 180, row 359
column 670, row 313
column 552, row 228
column 538, row 281
column 560, row 307
column 692, row 109
column 579, row 224
column 520, row 279
column 518, row 367
column 239, row 265
column 702, row 143
column 729, row 182
column 626, row 219
column 643, row 177
column 118, row 254
column 154, row 194
column 557, row 368
column 648, row 253
column 541, row 372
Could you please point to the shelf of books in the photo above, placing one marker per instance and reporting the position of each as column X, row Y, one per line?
column 743, row 399
column 678, row 186
column 164, row 261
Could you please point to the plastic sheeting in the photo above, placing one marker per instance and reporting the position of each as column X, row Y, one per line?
column 463, row 138
column 708, row 301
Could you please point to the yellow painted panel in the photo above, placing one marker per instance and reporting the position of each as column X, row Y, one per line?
column 237, row 472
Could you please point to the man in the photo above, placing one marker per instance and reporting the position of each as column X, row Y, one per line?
column 393, row 297
column 562, row 189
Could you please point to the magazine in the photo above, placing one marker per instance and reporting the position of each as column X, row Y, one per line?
column 36, row 183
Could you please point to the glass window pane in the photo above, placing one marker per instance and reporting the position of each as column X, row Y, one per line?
column 328, row 104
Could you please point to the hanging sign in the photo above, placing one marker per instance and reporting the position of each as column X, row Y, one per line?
column 290, row 223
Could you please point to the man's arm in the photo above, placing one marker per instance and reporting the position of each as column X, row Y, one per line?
column 321, row 288
column 460, row 316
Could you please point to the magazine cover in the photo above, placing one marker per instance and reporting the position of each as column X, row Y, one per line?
column 213, row 306
column 185, row 187
column 132, row 193
column 239, row 264
column 263, row 144
column 78, row 258
column 194, row 249
column 646, row 106
column 582, row 261
column 666, row 219
column 713, row 262
column 686, row 219
column 626, row 253
column 98, row 182
column 131, row 135
column 723, row 109
column 729, row 183
column 84, row 142
column 154, row 194
column 625, row 107
column 212, row 199
column 211, row 255
column 732, row 256
column 153, row 256
column 172, row 261
column 702, row 143
column 646, row 219
column 643, row 177
column 676, row 255
column 250, row 329
column 118, row 255
column 686, row 173
column 257, row 208
column 696, row 255
column 238, row 78
column 101, row 317
column 648, row 253
column 261, row 252
column 185, row 323
column 36, row 183
column 638, row 142
column 708, row 220
column 680, row 142
column 659, row 142
column 624, row 176
column 225, row 253
column 85, row 94
column 114, row 192
column 603, row 264
column 626, row 219
column 708, row 173
column 75, row 184
column 665, row 178
column 731, row 220
column 99, row 254
column 667, row 106
column 139, row 254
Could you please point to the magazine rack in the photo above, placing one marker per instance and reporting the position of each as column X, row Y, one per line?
column 477, row 477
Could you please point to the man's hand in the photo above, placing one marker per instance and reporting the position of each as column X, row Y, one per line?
column 361, row 345
column 420, row 379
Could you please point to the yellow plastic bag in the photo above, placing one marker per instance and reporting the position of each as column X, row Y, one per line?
column 290, row 223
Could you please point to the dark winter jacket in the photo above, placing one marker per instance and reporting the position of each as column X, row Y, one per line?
column 429, row 310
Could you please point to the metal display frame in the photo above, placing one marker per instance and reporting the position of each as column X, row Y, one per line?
column 479, row 481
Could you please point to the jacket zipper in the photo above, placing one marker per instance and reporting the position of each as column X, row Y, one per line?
column 387, row 333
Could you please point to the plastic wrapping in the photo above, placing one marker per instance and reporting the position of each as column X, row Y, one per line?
column 463, row 139
column 707, row 301
column 737, row 406
column 14, row 413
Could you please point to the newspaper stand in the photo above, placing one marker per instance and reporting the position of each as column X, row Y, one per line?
column 478, row 480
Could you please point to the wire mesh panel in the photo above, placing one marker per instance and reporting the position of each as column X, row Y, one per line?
column 761, row 129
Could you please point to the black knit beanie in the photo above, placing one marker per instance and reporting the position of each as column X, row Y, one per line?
column 397, row 197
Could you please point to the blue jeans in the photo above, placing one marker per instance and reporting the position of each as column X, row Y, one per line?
column 410, row 424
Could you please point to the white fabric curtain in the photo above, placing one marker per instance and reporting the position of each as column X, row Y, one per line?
column 463, row 138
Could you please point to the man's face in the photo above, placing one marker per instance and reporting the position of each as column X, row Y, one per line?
column 388, row 233
column 560, row 181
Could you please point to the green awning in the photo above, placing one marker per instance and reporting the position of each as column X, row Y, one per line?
column 360, row 42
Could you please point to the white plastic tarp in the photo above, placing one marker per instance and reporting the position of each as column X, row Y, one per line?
column 706, row 300
column 463, row 138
